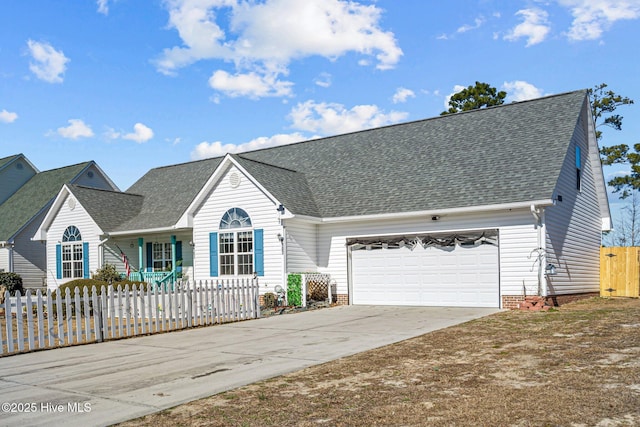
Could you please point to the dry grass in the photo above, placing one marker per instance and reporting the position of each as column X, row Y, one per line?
column 576, row 366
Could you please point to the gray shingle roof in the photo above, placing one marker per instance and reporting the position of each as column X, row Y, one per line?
column 33, row 196
column 108, row 208
column 505, row 154
column 289, row 187
column 168, row 191
column 510, row 153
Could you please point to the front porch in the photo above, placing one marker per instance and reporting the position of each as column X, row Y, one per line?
column 159, row 260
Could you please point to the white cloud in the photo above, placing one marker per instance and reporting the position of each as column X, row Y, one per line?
column 467, row 27
column 8, row 116
column 593, row 17
column 206, row 150
column 519, row 90
column 331, row 119
column 323, row 80
column 140, row 134
column 103, row 6
column 252, row 85
column 256, row 44
column 76, row 129
column 48, row 64
column 402, row 94
column 535, row 26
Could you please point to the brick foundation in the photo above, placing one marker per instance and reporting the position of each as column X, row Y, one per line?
column 342, row 299
column 513, row 302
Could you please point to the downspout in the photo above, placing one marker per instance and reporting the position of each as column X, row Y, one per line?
column 538, row 214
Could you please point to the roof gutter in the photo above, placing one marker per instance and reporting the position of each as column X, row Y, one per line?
column 145, row 231
column 439, row 212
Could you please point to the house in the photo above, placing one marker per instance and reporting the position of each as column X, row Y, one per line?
column 28, row 194
column 471, row 209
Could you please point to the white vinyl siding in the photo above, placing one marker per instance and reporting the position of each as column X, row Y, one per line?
column 4, row 259
column 263, row 214
column 517, row 239
column 302, row 240
column 29, row 257
column 92, row 177
column 90, row 234
column 573, row 225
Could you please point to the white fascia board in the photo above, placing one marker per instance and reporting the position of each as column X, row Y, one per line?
column 596, row 167
column 186, row 220
column 471, row 209
column 41, row 232
column 172, row 229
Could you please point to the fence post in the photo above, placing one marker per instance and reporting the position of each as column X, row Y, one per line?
column 256, row 290
column 97, row 314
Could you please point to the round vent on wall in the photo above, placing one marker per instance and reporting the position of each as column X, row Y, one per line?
column 90, row 174
column 72, row 203
column 19, row 166
column 234, row 179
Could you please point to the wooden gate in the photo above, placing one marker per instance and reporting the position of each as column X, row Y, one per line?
column 620, row 272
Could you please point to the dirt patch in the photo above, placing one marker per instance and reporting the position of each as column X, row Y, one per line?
column 575, row 366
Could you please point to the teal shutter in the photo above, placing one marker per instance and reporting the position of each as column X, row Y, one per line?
column 179, row 256
column 149, row 256
column 59, row 261
column 578, row 158
column 213, row 254
column 258, row 236
column 85, row 255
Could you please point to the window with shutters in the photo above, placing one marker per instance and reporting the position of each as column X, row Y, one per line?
column 72, row 254
column 235, row 244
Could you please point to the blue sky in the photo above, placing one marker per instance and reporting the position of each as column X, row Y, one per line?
column 138, row 84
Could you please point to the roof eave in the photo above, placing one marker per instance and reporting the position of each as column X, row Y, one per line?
column 433, row 212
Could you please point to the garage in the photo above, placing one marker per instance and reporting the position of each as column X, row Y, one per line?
column 453, row 269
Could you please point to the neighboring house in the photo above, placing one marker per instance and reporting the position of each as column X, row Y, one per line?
column 471, row 209
column 15, row 171
column 22, row 212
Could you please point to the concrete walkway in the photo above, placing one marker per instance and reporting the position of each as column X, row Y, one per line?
column 106, row 383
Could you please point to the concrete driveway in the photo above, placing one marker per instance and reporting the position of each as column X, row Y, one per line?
column 102, row 384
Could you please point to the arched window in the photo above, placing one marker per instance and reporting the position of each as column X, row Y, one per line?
column 235, row 218
column 72, row 254
column 236, row 247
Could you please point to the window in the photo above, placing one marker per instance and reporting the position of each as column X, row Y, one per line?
column 72, row 254
column 162, row 257
column 578, row 169
column 236, row 246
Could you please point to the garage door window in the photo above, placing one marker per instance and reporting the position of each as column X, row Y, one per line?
column 466, row 239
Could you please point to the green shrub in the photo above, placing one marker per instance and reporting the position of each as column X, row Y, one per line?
column 12, row 282
column 269, row 300
column 108, row 273
column 294, row 289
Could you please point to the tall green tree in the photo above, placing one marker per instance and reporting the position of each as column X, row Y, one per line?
column 604, row 103
column 474, row 97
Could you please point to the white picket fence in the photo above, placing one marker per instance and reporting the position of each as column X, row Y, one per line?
column 42, row 320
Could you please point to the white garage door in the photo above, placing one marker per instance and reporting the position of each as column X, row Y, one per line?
column 457, row 276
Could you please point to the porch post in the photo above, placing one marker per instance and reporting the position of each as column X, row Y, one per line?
column 173, row 253
column 140, row 245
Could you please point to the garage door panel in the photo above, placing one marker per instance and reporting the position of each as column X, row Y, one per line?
column 457, row 276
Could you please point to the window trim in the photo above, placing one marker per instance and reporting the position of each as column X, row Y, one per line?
column 224, row 266
column 72, row 256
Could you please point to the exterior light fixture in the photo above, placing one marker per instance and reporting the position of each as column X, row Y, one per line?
column 550, row 270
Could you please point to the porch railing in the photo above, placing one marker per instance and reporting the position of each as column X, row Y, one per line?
column 155, row 278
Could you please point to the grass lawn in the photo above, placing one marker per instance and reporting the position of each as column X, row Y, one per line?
column 578, row 365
